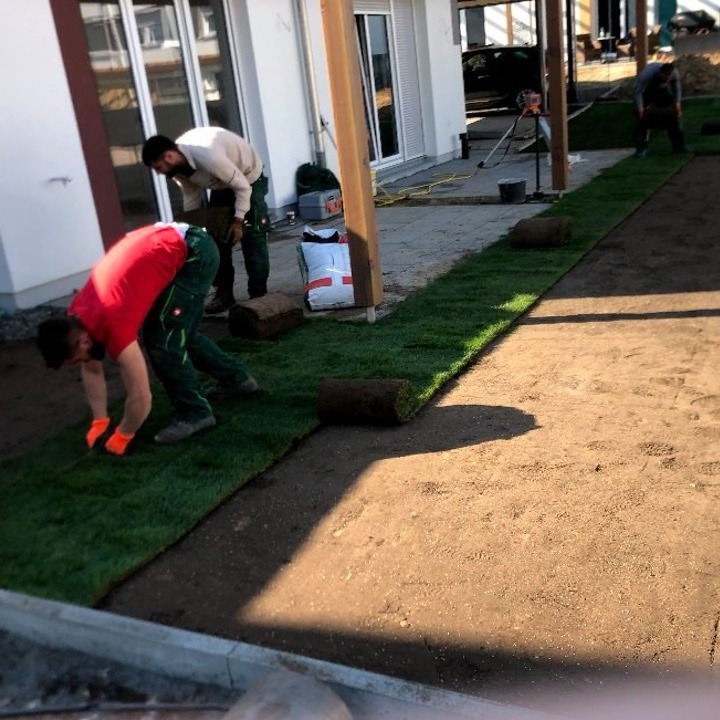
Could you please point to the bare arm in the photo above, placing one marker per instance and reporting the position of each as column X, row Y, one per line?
column 93, row 378
column 134, row 373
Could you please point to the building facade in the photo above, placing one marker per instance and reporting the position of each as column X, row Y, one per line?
column 84, row 83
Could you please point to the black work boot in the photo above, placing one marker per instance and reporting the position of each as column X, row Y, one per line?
column 221, row 301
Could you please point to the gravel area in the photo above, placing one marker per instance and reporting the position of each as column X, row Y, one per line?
column 33, row 677
column 22, row 325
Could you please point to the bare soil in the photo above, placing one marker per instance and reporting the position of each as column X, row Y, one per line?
column 549, row 522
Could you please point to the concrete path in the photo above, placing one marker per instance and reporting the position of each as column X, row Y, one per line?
column 417, row 244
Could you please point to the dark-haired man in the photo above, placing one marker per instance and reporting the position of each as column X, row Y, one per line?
column 155, row 279
column 217, row 159
column 658, row 105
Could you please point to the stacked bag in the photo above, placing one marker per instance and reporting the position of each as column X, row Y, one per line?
column 324, row 260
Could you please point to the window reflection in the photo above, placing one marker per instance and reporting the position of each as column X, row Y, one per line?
column 163, row 51
column 382, row 75
column 118, row 101
column 377, row 79
column 213, row 51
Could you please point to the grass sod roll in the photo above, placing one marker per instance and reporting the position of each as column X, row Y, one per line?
column 344, row 401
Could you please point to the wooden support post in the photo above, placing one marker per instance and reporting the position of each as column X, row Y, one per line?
column 509, row 24
column 557, row 99
column 641, row 41
column 353, row 150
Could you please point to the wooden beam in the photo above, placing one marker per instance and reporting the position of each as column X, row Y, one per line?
column 509, row 24
column 353, row 150
column 557, row 96
column 641, row 41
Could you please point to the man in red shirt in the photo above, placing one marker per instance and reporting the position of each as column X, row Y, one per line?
column 153, row 280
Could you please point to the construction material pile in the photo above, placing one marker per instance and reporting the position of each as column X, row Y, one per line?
column 700, row 76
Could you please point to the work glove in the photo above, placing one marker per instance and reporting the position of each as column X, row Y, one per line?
column 97, row 429
column 118, row 442
column 235, row 233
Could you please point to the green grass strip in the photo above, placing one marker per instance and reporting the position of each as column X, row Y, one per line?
column 73, row 522
column 610, row 125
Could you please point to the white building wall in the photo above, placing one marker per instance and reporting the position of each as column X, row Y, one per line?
column 49, row 233
column 523, row 24
column 267, row 38
column 441, row 81
column 324, row 97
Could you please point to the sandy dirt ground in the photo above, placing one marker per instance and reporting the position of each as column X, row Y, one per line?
column 548, row 523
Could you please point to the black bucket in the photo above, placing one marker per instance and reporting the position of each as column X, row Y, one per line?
column 512, row 190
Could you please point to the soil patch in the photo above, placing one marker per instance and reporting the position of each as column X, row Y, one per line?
column 549, row 522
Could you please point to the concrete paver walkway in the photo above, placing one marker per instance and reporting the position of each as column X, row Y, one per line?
column 417, row 244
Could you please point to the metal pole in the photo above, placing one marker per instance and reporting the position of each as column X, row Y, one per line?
column 498, row 143
column 541, row 45
column 537, row 154
column 311, row 84
column 570, row 28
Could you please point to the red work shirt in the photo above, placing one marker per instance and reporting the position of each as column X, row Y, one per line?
column 125, row 283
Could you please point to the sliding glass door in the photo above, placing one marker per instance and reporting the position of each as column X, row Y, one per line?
column 381, row 111
column 160, row 67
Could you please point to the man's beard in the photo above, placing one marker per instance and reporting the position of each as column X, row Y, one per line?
column 185, row 169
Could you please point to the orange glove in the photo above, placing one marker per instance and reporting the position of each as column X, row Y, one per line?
column 118, row 442
column 235, row 233
column 97, row 428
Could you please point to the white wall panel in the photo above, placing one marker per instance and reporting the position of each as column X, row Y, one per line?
column 441, row 82
column 270, row 52
column 48, row 226
column 409, row 86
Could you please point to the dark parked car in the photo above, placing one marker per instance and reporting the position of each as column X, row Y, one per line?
column 495, row 76
column 691, row 22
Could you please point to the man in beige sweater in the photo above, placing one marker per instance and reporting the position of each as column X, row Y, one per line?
column 215, row 159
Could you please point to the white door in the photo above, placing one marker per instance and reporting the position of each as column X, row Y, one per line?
column 385, row 35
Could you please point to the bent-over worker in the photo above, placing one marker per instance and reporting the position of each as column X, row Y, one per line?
column 225, row 163
column 153, row 280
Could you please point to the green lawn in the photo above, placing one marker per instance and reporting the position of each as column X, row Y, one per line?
column 610, row 124
column 75, row 522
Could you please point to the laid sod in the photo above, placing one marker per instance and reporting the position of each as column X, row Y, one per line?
column 609, row 125
column 75, row 522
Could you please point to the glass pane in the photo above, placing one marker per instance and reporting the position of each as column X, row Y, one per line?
column 215, row 64
column 162, row 56
column 382, row 75
column 118, row 100
column 366, row 79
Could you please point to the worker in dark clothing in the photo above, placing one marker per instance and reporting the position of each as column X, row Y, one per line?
column 226, row 164
column 658, row 105
column 155, row 279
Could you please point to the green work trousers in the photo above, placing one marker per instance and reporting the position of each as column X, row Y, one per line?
column 253, row 244
column 176, row 349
